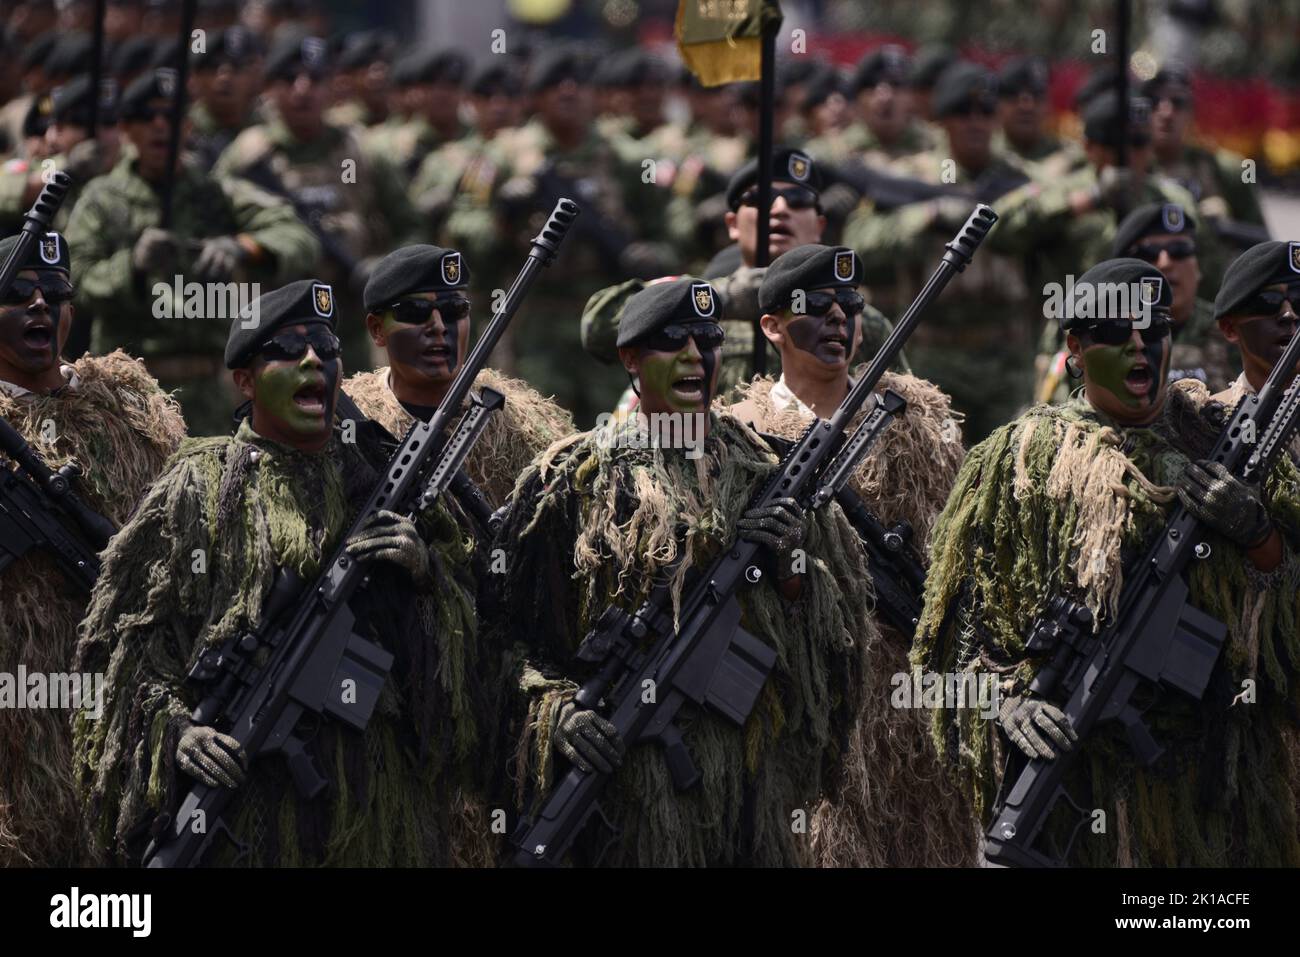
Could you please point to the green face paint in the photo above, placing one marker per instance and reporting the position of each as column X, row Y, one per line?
column 296, row 397
column 1124, row 381
column 430, row 352
column 681, row 381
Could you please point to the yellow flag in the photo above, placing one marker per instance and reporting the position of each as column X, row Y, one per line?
column 720, row 40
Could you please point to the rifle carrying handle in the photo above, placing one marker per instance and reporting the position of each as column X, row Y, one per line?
column 969, row 237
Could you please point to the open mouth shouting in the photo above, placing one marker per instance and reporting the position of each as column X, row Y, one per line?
column 689, row 389
column 38, row 333
column 1141, row 379
column 310, row 398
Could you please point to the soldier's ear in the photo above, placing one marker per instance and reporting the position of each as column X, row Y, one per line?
column 630, row 358
column 1073, row 344
column 375, row 326
column 733, row 231
column 244, row 382
column 771, row 326
column 1228, row 326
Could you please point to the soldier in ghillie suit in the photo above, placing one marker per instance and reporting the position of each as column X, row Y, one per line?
column 594, row 522
column 895, row 806
column 417, row 311
column 1060, row 503
column 1163, row 234
column 196, row 564
column 108, row 415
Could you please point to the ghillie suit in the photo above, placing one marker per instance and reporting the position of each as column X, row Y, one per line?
column 195, row 565
column 896, row 805
column 594, row 523
column 523, row 428
column 119, row 427
column 1061, row 502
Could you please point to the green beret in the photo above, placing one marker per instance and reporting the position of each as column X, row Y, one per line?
column 157, row 84
column 37, row 51
column 661, row 304
column 235, row 45
column 960, row 85
column 1151, row 283
column 73, row 100
column 819, row 85
column 437, row 66
column 1098, row 81
column 70, row 56
column 307, row 300
column 1101, row 117
column 1149, row 219
column 419, row 268
column 788, row 166
column 809, row 267
column 361, row 49
column 889, row 63
column 294, row 54
column 493, row 78
column 552, row 67
column 1258, row 267
column 1023, row 74
column 132, row 55
column 50, row 251
column 1165, row 78
column 930, row 61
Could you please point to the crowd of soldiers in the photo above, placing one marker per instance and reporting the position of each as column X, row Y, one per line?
column 380, row 201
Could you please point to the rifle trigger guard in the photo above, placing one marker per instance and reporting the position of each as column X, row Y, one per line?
column 1203, row 550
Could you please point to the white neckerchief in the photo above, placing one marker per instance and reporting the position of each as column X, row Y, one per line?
column 15, row 390
column 783, row 397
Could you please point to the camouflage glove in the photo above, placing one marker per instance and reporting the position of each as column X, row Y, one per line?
column 389, row 537
column 218, row 258
column 1114, row 188
column 155, row 252
column 740, row 291
column 1225, row 503
column 780, row 528
column 587, row 740
column 1039, row 729
column 211, row 758
column 85, row 161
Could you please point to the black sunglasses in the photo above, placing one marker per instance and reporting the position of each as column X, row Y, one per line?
column 982, row 107
column 54, row 288
column 1176, row 248
column 417, row 311
column 796, row 197
column 1268, row 302
column 819, row 303
column 293, row 345
column 672, row 337
column 1115, row 332
column 147, row 114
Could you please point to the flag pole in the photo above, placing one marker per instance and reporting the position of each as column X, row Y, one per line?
column 766, row 122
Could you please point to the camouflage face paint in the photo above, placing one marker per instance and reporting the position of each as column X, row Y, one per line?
column 660, row 370
column 297, row 397
column 1266, row 337
column 429, row 351
column 1112, row 385
column 810, row 333
column 29, row 333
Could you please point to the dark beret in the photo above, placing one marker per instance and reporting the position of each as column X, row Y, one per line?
column 294, row 54
column 307, row 300
column 1101, row 117
column 797, row 70
column 551, row 67
column 888, row 63
column 71, row 55
column 788, row 165
column 1149, row 219
column 1258, row 267
column 73, row 100
column 235, row 45
column 438, row 66
column 37, row 120
column 166, row 53
column 1098, row 81
column 37, row 52
column 493, row 78
column 960, row 85
column 359, row 50
column 157, row 84
column 132, row 55
column 50, row 251
column 1164, row 79
column 930, row 61
column 419, row 268
column 1023, row 74
column 661, row 304
column 809, row 267
column 1153, row 287
column 819, row 86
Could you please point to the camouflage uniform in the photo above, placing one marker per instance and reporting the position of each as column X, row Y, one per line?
column 113, row 211
column 209, row 139
column 977, row 342
column 365, row 215
column 406, row 144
